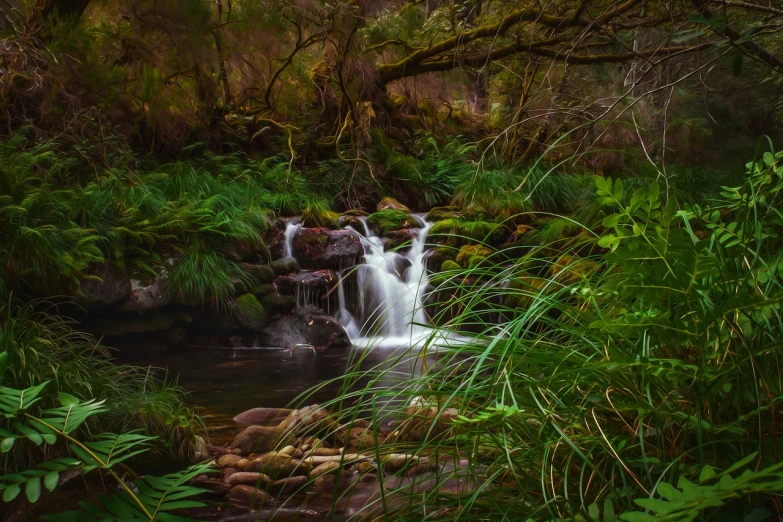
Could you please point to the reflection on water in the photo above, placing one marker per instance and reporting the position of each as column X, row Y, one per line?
column 225, row 382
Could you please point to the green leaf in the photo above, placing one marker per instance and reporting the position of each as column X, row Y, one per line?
column 67, row 399
column 593, row 512
column 33, row 489
column 7, row 444
column 706, row 474
column 11, row 492
column 51, row 479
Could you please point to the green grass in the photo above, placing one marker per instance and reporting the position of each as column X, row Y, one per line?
column 601, row 378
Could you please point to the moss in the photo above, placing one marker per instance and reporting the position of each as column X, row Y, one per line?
column 273, row 303
column 476, row 261
column 449, row 265
column 572, row 269
column 437, row 256
column 388, row 220
column 262, row 290
column 261, row 274
column 469, row 251
column 284, row 266
column 316, row 216
column 391, row 204
column 441, row 213
column 523, row 289
column 250, row 312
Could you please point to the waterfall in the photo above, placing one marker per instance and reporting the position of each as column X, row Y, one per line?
column 291, row 229
column 389, row 292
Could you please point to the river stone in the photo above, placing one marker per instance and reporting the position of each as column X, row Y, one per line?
column 249, row 495
column 258, row 439
column 394, row 462
column 107, row 284
column 263, row 416
column 391, row 203
column 386, row 221
column 320, row 248
column 250, row 478
column 325, row 467
column 288, row 484
column 362, row 438
column 283, row 266
column 316, row 283
column 354, row 212
column 250, row 312
column 307, row 325
column 228, row 461
column 399, row 238
column 147, row 295
column 276, row 466
column 354, row 222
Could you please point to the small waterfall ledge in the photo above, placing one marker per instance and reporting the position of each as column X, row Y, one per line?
column 380, row 302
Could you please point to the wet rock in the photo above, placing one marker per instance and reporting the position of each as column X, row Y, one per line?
column 307, row 419
column 326, row 452
column 263, row 416
column 276, row 466
column 147, row 294
column 354, row 222
column 215, row 487
column 323, row 468
column 320, row 248
column 288, row 484
column 249, row 495
column 228, row 461
column 306, row 326
column 355, row 212
column 449, row 266
column 441, row 213
column 391, row 203
column 314, row 284
column 361, row 438
column 435, row 257
column 386, row 221
column 283, row 266
column 399, row 238
column 106, row 284
column 251, row 313
column 395, row 462
column 260, row 274
column 227, row 473
column 250, row 478
column 467, row 253
column 258, row 439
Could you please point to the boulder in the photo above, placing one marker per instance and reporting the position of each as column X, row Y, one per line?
column 258, row 439
column 391, row 203
column 324, row 468
column 306, row 326
column 147, row 294
column 435, row 257
column 288, row 484
column 263, row 416
column 399, row 238
column 249, row 495
column 354, row 212
column 228, row 460
column 441, row 213
column 311, row 287
column 320, row 248
column 385, row 221
column 468, row 252
column 105, row 284
column 250, row 312
column 283, row 266
column 249, row 478
column 355, row 222
column 277, row 466
column 259, row 274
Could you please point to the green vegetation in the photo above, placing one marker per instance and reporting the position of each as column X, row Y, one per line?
column 643, row 374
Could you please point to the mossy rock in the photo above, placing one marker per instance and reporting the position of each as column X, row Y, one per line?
column 262, row 290
column 476, row 261
column 354, row 212
column 572, row 269
column 449, row 265
column 273, row 303
column 523, row 291
column 251, row 313
column 437, row 256
column 284, row 266
column 388, row 220
column 354, row 222
column 316, row 217
column 441, row 213
column 261, row 274
column 455, row 232
column 391, row 204
column 469, row 251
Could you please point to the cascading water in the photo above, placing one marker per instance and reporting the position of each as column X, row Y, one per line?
column 291, row 229
column 389, row 293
